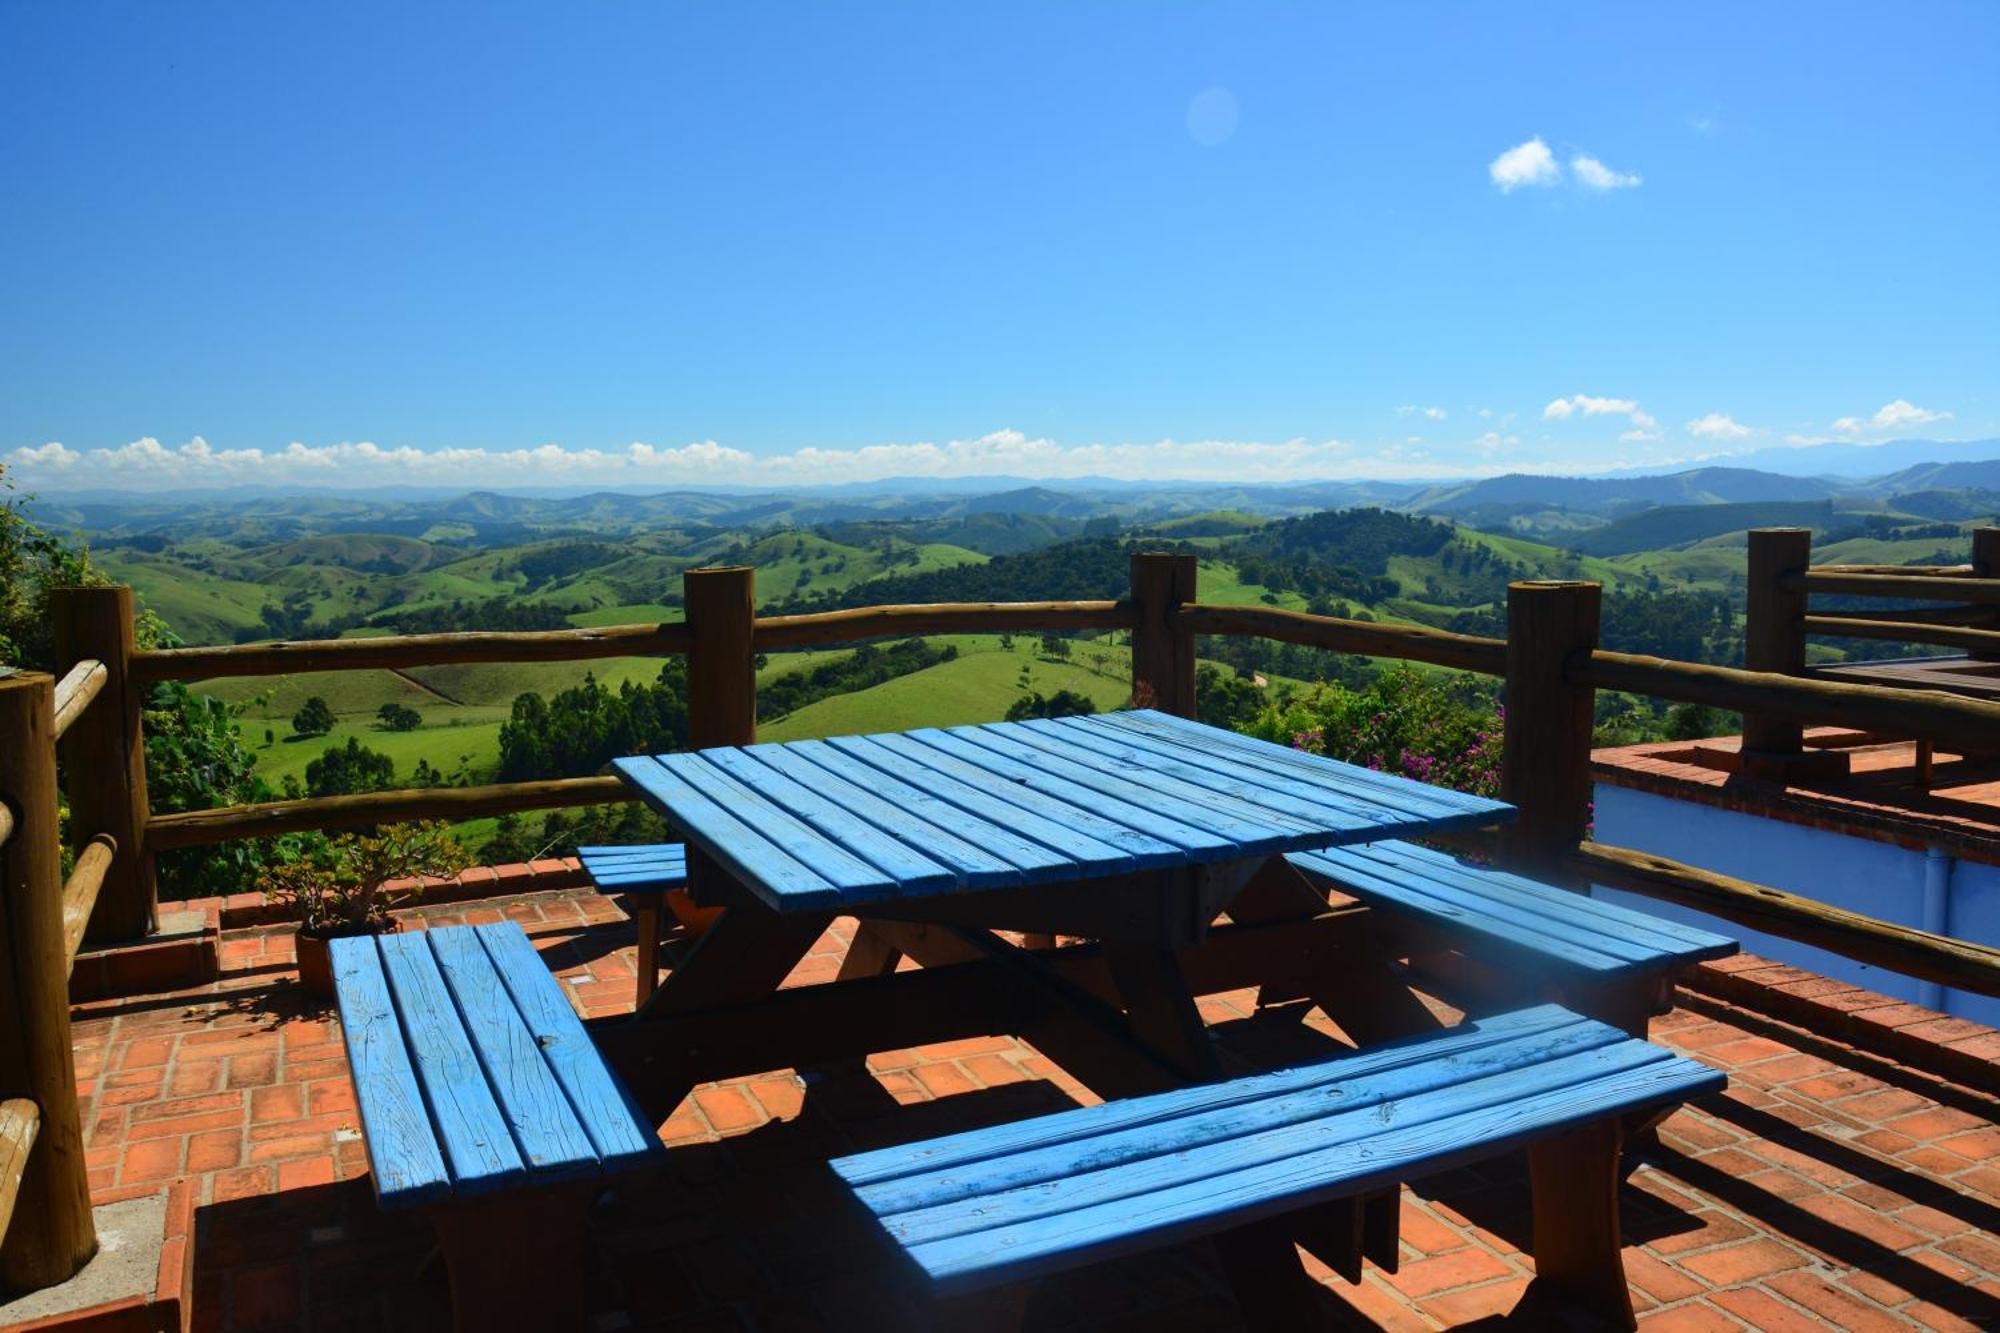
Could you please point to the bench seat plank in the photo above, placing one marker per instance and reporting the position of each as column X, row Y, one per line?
column 477, row 1143
column 402, row 1147
column 1020, row 1200
column 472, row 1072
column 1528, row 921
column 651, row 868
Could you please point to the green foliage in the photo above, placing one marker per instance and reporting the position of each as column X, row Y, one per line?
column 196, row 760
column 337, row 884
column 866, row 666
column 33, row 563
column 349, row 770
column 1063, row 703
column 1445, row 731
column 582, row 728
column 1226, row 699
column 314, row 718
column 561, row 832
column 398, row 717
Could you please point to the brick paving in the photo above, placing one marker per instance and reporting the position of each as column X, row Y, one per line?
column 1811, row 1195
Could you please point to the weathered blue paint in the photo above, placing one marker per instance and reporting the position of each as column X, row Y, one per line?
column 1517, row 922
column 648, row 868
column 1025, row 1199
column 471, row 1071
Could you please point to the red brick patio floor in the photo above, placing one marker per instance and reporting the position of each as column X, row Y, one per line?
column 1810, row 1195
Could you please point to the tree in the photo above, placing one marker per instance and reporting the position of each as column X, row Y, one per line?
column 398, row 717
column 1055, row 645
column 1063, row 703
column 349, row 770
column 314, row 718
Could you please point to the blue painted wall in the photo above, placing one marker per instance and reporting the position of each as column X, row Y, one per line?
column 1863, row 875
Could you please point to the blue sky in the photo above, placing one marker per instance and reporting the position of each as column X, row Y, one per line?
column 648, row 245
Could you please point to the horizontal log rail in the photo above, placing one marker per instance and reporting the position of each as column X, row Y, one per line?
column 1934, row 587
column 1902, row 571
column 772, row 633
column 1922, row 615
column 1951, row 636
column 399, row 652
column 20, row 1123
column 80, row 892
column 1467, row 652
column 1900, row 949
column 1921, row 714
column 195, row 828
column 82, row 683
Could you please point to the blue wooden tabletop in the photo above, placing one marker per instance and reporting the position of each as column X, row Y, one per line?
column 818, row 825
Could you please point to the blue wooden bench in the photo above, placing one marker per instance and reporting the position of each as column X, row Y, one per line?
column 655, row 876
column 1528, row 940
column 1022, row 1200
column 484, row 1103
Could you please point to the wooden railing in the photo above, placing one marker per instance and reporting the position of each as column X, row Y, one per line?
column 1550, row 662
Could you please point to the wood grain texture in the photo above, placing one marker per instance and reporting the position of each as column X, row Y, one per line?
column 882, row 622
column 653, row 868
column 1901, row 949
column 1412, row 643
column 74, row 692
column 1921, row 714
column 471, row 1071
column 104, row 756
column 1162, row 647
column 195, row 828
column 1545, row 759
column 404, row 1154
column 1903, row 631
column 80, row 890
column 1513, row 920
column 812, row 825
column 1034, row 1197
column 20, row 1122
column 1985, row 592
column 54, row 1234
column 1774, row 629
column 403, row 651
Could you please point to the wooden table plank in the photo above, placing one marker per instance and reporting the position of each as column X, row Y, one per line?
column 546, row 1131
column 614, row 1122
column 1371, row 802
column 1092, row 846
column 408, row 1167
column 478, row 1146
column 985, row 856
column 741, row 850
column 846, row 870
column 1314, row 767
column 1005, row 775
column 1254, row 831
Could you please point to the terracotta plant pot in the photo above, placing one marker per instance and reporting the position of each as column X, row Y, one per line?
column 316, row 964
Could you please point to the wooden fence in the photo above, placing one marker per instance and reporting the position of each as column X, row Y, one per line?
column 1550, row 662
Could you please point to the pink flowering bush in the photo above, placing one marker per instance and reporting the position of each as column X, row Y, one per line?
column 1431, row 728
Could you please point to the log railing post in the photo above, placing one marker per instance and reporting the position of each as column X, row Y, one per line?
column 1774, row 629
column 52, row 1234
column 722, row 710
column 1986, row 565
column 1545, row 762
column 104, row 758
column 1162, row 653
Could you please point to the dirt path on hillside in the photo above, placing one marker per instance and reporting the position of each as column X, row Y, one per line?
column 414, row 683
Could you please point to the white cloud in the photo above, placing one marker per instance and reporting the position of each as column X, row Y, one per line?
column 1594, row 175
column 1431, row 413
column 1529, row 163
column 1719, row 426
column 1899, row 415
column 1562, row 409
column 1641, row 436
column 146, row 464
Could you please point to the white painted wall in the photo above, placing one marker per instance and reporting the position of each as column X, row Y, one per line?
column 1863, row 875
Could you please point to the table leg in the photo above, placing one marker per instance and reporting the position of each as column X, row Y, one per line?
column 1577, row 1253
column 745, row 955
column 1271, row 1286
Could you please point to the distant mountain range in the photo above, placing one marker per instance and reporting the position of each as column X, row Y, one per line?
column 1929, row 480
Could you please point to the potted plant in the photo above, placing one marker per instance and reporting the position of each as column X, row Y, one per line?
column 340, row 886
